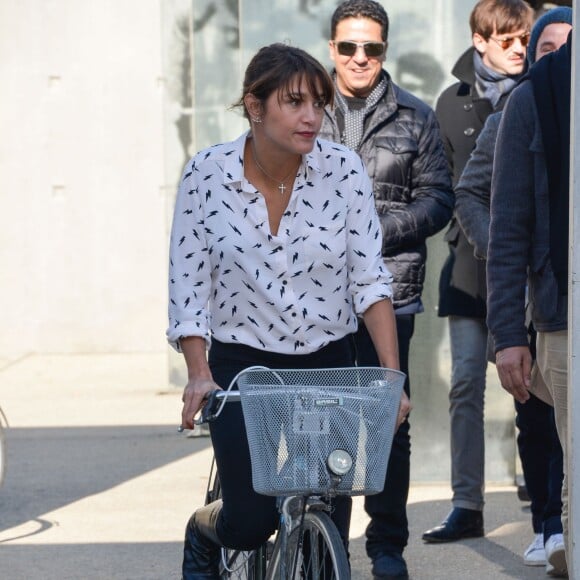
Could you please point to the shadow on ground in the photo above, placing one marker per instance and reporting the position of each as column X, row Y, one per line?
column 147, row 561
column 49, row 468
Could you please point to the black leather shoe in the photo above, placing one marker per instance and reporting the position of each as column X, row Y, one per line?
column 460, row 523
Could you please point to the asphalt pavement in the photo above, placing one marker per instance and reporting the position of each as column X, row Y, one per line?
column 99, row 484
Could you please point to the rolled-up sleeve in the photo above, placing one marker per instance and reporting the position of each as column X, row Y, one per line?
column 189, row 268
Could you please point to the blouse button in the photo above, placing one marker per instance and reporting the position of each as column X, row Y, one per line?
column 469, row 131
column 294, row 315
column 285, row 282
column 301, row 344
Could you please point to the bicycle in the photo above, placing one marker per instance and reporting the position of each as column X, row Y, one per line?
column 313, row 434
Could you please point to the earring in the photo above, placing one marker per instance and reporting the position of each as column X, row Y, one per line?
column 257, row 119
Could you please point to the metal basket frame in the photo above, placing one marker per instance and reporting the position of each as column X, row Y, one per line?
column 295, row 418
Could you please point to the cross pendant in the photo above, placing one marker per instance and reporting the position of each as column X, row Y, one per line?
column 281, row 188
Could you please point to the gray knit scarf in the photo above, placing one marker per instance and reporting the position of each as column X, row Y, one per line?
column 491, row 84
column 354, row 117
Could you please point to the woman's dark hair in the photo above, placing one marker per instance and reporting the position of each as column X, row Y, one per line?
column 275, row 68
column 360, row 9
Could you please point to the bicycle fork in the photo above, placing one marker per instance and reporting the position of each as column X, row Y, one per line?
column 292, row 513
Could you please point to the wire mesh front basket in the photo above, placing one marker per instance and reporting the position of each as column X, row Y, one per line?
column 296, row 418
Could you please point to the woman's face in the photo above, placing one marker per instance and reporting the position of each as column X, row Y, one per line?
column 291, row 120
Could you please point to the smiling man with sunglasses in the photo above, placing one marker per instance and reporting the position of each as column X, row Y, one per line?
column 397, row 137
column 487, row 73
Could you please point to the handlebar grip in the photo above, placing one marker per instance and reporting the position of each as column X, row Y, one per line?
column 208, row 411
column 212, row 407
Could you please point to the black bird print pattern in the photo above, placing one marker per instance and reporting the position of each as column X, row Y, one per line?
column 293, row 292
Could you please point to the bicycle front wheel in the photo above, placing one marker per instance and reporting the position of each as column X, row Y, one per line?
column 314, row 551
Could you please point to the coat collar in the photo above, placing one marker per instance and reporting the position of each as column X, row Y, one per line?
column 464, row 69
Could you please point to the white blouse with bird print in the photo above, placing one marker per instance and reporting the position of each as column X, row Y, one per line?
column 291, row 293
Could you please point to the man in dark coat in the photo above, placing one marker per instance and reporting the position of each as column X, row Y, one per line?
column 528, row 244
column 487, row 72
column 397, row 137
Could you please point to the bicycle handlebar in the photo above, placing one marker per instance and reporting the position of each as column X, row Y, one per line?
column 215, row 396
column 214, row 401
column 212, row 408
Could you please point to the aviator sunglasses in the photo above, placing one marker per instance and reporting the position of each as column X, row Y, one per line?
column 348, row 48
column 507, row 41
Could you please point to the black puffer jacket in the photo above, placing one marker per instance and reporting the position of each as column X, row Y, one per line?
column 404, row 156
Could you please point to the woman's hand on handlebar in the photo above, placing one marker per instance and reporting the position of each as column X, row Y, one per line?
column 194, row 399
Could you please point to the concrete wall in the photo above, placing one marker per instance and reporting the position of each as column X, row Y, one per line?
column 82, row 205
column 103, row 101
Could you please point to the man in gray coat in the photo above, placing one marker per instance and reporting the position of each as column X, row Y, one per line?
column 538, row 444
column 487, row 72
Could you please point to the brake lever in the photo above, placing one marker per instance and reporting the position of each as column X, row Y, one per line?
column 208, row 412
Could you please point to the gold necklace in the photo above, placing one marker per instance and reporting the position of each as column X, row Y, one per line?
column 281, row 186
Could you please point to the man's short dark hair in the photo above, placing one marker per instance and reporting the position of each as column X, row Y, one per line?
column 360, row 9
column 504, row 16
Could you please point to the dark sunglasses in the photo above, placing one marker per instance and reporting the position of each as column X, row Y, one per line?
column 348, row 48
column 506, row 42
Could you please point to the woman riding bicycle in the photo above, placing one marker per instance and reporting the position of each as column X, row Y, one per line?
column 275, row 252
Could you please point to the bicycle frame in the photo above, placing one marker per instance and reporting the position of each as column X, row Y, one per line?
column 292, row 509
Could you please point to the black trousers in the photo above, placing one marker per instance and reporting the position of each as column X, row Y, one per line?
column 542, row 464
column 248, row 519
column 388, row 530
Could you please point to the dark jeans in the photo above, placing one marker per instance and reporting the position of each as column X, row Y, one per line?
column 542, row 464
column 248, row 519
column 388, row 530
